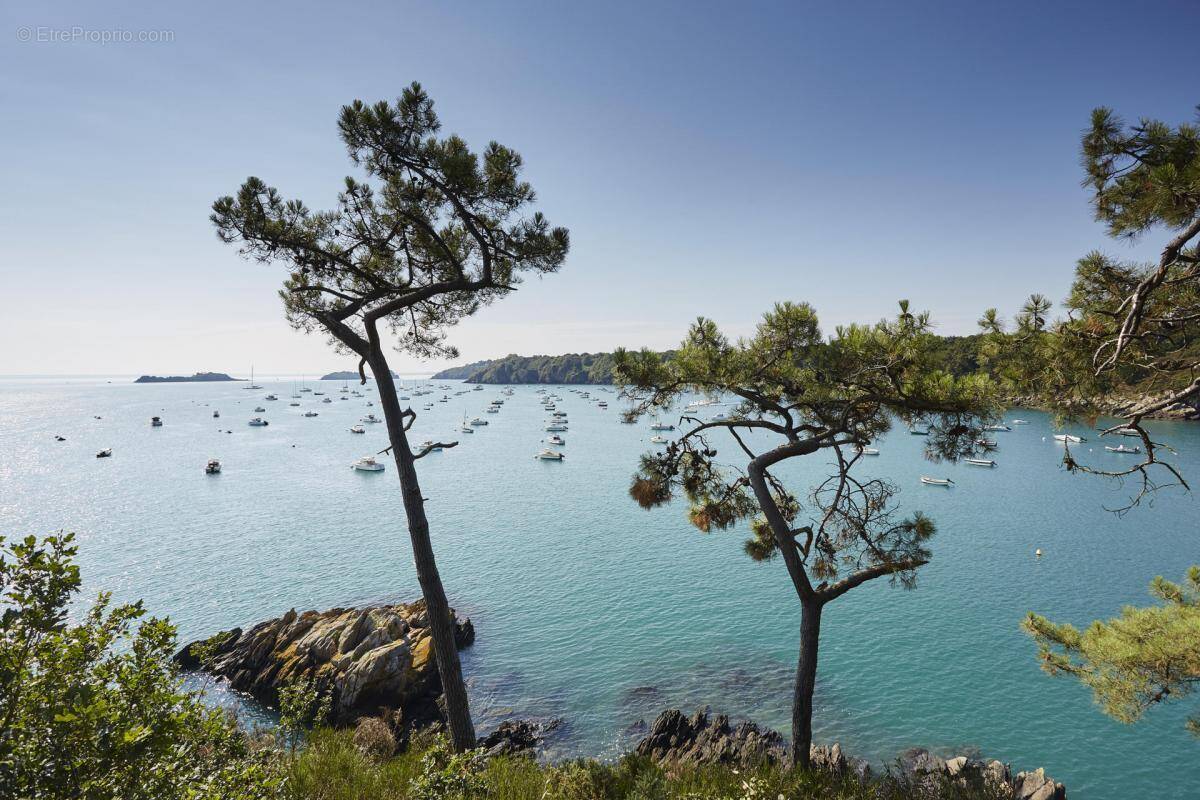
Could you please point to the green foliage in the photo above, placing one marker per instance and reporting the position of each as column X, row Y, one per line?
column 437, row 233
column 302, row 706
column 1132, row 662
column 96, row 710
column 449, row 776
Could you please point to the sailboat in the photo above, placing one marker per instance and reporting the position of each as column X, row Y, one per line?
column 252, row 385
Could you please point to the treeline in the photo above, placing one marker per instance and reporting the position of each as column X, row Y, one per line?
column 958, row 355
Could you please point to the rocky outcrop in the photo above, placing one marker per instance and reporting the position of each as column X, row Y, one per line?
column 675, row 739
column 517, row 737
column 370, row 661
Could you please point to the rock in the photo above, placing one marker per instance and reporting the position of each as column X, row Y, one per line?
column 678, row 739
column 516, row 737
column 1036, row 786
column 371, row 660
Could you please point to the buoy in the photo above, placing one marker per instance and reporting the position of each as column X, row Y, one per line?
column 1038, row 552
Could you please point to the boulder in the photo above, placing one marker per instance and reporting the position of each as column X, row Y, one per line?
column 678, row 739
column 516, row 737
column 371, row 661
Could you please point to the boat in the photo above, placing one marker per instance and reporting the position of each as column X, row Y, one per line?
column 327, row 400
column 936, row 481
column 492, row 410
column 252, row 385
column 60, row 438
column 1020, row 422
column 270, row 397
column 918, row 432
column 557, row 440
column 658, row 439
column 549, row 455
column 213, row 467
column 980, row 462
column 294, row 405
column 996, row 428
column 259, row 409
column 479, row 421
column 662, row 426
column 258, row 422
column 431, row 447
column 104, row 453
column 358, row 429
column 1122, row 449
column 868, row 451
column 556, row 426
column 310, row 413
column 371, row 418
column 216, row 415
column 156, row 422
column 1129, row 432
column 367, row 464
column 987, row 444
column 1066, row 437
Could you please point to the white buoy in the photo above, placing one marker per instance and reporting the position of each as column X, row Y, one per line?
column 1038, row 552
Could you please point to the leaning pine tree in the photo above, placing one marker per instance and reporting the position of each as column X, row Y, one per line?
column 801, row 395
column 437, row 232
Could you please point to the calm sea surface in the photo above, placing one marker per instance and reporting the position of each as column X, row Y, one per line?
column 591, row 609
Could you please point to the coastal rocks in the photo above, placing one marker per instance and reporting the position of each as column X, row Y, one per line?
column 370, row 660
column 516, row 737
column 678, row 739
column 675, row 739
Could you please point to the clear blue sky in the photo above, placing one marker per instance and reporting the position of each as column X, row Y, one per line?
column 709, row 158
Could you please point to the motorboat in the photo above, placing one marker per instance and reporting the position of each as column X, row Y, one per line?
column 980, row 462
column 479, row 421
column 358, row 429
column 156, row 422
column 259, row 409
column 918, row 432
column 310, row 413
column 987, row 444
column 1020, row 422
column 555, row 439
column 258, row 422
column 1122, row 449
column 213, row 467
column 368, row 464
column 662, row 426
column 996, row 428
column 936, row 481
column 270, row 397
column 371, row 418
column 431, row 447
column 1129, row 432
column 868, row 451
column 1068, row 438
column 294, row 405
column 549, row 455
column 216, row 415
column 492, row 410
column 107, row 453
column 326, row 400
column 478, row 388
column 658, row 439
column 556, row 426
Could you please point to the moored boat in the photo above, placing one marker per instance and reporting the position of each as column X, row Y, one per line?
column 980, row 462
column 367, row 464
column 213, row 467
column 936, row 481
column 549, row 455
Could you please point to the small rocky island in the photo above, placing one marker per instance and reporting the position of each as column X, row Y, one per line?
column 199, row 377
column 350, row 376
column 376, row 661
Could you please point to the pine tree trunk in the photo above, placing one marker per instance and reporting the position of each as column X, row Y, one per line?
column 441, row 624
column 806, row 681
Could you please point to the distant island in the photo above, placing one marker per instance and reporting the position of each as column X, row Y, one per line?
column 957, row 354
column 349, row 376
column 199, row 377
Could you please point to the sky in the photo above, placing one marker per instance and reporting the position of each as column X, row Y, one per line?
column 708, row 158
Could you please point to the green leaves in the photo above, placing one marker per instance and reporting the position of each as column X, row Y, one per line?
column 1134, row 661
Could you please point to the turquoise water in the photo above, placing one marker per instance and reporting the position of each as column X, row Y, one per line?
column 588, row 607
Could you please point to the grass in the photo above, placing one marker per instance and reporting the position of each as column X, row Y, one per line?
column 331, row 767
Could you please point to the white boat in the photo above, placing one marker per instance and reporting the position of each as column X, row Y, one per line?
column 367, row 464
column 310, row 413
column 492, row 410
column 466, row 429
column 1122, row 449
column 258, row 422
column 1020, row 422
column 936, row 481
column 358, row 429
column 556, row 426
column 1128, row 432
column 1066, row 437
column 918, row 432
column 431, row 447
column 270, row 397
column 996, row 428
column 980, row 462
column 371, row 418
column 156, row 422
column 479, row 421
column 259, row 409
column 557, row 440
column 868, row 451
column 658, row 439
column 252, row 385
column 987, row 444
column 549, row 455
column 326, row 400
column 662, row 426
column 213, row 467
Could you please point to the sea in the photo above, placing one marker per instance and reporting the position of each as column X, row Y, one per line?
column 592, row 610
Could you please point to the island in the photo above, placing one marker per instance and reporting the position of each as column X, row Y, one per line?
column 350, row 375
column 199, row 377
